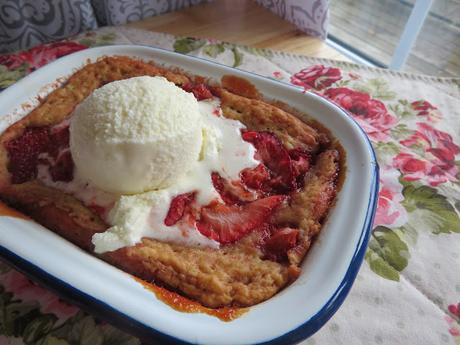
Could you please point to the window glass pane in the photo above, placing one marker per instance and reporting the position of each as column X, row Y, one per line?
column 437, row 49
column 371, row 27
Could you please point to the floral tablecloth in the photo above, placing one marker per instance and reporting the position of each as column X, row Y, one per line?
column 408, row 289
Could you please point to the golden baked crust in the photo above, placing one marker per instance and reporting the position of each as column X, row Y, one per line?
column 237, row 274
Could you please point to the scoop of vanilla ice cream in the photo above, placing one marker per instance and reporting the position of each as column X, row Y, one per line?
column 135, row 135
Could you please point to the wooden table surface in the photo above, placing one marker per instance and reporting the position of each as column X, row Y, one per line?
column 242, row 22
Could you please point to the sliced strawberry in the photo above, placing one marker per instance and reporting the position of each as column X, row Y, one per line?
column 62, row 169
column 219, row 184
column 60, row 135
column 255, row 178
column 216, row 112
column 274, row 155
column 280, row 242
column 23, row 153
column 262, row 234
column 249, row 136
column 227, row 224
column 177, row 208
column 300, row 161
column 99, row 210
column 59, row 139
column 232, row 192
column 200, row 91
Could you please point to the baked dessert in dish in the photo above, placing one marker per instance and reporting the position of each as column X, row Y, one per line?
column 208, row 190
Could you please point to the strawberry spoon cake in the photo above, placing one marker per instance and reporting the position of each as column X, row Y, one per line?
column 207, row 190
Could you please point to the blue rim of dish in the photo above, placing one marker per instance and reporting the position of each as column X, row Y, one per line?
column 146, row 333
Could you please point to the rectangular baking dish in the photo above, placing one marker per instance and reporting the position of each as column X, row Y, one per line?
column 292, row 315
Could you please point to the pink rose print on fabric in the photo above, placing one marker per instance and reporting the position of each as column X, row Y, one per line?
column 11, row 61
column 317, row 77
column 423, row 108
column 438, row 143
column 438, row 163
column 371, row 114
column 454, row 328
column 390, row 212
column 455, row 309
column 278, row 75
column 27, row 291
column 411, row 166
column 40, row 55
column 415, row 169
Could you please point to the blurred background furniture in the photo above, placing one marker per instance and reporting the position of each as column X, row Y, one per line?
column 418, row 36
column 119, row 12
column 26, row 23
column 242, row 22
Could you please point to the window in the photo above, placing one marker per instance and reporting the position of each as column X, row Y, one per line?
column 384, row 32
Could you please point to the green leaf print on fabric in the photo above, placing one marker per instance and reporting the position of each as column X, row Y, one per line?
column 8, row 77
column 82, row 329
column 342, row 83
column 401, row 131
column 430, row 208
column 38, row 327
column 385, row 150
column 50, row 340
column 402, row 109
column 387, row 254
column 94, row 40
column 213, row 50
column 238, row 57
column 258, row 51
column 188, row 44
column 15, row 315
column 26, row 321
column 378, row 88
column 113, row 336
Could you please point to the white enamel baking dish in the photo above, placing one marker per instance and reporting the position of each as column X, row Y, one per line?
column 294, row 314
